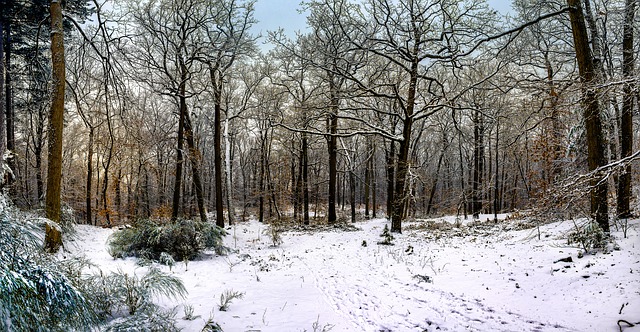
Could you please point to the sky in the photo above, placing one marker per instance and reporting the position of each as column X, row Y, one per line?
column 273, row 14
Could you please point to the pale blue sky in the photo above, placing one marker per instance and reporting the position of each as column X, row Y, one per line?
column 273, row 14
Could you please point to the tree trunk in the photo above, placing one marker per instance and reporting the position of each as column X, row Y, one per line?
column 53, row 236
column 177, row 187
column 3, row 137
column 261, row 186
column 305, row 179
column 374, row 201
column 390, row 176
column 89, row 177
column 595, row 141
column 333, row 154
column 352, row 194
column 195, row 157
column 227, row 165
column 8, row 93
column 367, row 185
column 434, row 186
column 626, row 120
column 217, row 147
column 496, row 188
column 478, row 164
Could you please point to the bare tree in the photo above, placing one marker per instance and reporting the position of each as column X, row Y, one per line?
column 591, row 113
column 170, row 44
column 228, row 38
column 626, row 121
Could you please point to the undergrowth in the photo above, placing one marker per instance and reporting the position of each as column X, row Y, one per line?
column 182, row 240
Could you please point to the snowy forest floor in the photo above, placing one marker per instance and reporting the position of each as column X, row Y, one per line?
column 436, row 277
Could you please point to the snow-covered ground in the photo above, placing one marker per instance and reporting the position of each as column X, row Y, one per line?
column 480, row 277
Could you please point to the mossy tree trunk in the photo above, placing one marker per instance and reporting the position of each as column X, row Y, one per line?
column 53, row 236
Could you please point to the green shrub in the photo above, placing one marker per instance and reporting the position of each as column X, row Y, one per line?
column 34, row 294
column 589, row 236
column 135, row 293
column 182, row 239
column 152, row 319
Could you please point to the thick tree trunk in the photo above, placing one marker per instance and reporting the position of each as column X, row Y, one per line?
column 53, row 236
column 595, row 141
column 400, row 193
column 626, row 120
column 3, row 137
column 8, row 95
column 333, row 155
column 333, row 165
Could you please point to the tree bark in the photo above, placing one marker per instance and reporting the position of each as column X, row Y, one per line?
column 217, row 147
column 195, row 157
column 390, row 176
column 89, row 177
column 305, row 179
column 626, row 120
column 367, row 184
column 478, row 164
column 227, row 174
column 333, row 152
column 3, row 137
column 8, row 96
column 177, row 187
column 53, row 236
column 591, row 112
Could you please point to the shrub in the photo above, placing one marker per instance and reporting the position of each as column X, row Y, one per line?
column 182, row 239
column 589, row 236
column 152, row 319
column 273, row 231
column 136, row 293
column 34, row 294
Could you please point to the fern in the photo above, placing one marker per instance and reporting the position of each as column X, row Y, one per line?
column 227, row 297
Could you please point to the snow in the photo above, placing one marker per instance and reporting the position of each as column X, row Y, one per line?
column 484, row 277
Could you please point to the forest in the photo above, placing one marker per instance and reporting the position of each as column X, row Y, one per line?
column 178, row 119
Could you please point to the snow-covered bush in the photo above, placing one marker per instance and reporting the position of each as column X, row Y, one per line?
column 273, row 231
column 136, row 293
column 182, row 239
column 152, row 319
column 589, row 236
column 35, row 295
column 126, row 296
